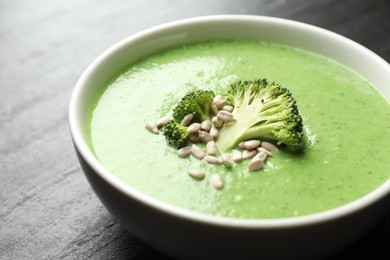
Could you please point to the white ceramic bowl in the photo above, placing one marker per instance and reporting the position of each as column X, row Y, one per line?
column 187, row 235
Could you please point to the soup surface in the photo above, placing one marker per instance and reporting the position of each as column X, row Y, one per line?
column 347, row 125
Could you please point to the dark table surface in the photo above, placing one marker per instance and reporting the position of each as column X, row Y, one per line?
column 47, row 209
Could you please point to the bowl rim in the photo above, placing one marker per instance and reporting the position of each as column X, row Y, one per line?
column 276, row 223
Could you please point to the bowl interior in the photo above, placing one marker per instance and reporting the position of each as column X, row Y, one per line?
column 304, row 36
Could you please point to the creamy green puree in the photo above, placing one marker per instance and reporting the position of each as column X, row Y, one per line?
column 347, row 125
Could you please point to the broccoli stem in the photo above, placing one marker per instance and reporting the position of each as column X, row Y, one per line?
column 253, row 120
column 236, row 132
column 233, row 133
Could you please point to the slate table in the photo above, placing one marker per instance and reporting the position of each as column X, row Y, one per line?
column 47, row 209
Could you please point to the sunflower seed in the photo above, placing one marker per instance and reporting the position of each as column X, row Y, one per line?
column 225, row 116
column 193, row 128
column 217, row 97
column 255, row 165
column 216, row 122
column 228, row 108
column 263, row 150
column 194, row 138
column 163, row 121
column 152, row 127
column 205, row 125
column 270, row 147
column 251, row 144
column 184, row 152
column 198, row 174
column 216, row 181
column 226, row 160
column 205, row 137
column 261, row 155
column 214, row 109
column 219, row 103
column 227, row 119
column 197, row 152
column 224, row 112
column 211, row 148
column 213, row 132
column 212, row 159
column 248, row 154
column 236, row 155
column 187, row 119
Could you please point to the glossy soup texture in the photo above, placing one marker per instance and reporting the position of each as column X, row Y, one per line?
column 347, row 125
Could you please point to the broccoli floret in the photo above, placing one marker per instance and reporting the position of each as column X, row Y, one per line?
column 196, row 103
column 263, row 111
column 175, row 134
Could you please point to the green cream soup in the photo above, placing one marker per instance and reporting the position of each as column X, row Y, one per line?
column 346, row 124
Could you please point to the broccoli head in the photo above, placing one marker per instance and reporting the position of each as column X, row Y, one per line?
column 175, row 134
column 196, row 103
column 264, row 111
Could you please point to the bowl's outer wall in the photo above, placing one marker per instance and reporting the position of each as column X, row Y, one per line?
column 184, row 238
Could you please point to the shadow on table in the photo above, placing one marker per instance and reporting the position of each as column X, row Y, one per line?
column 124, row 245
